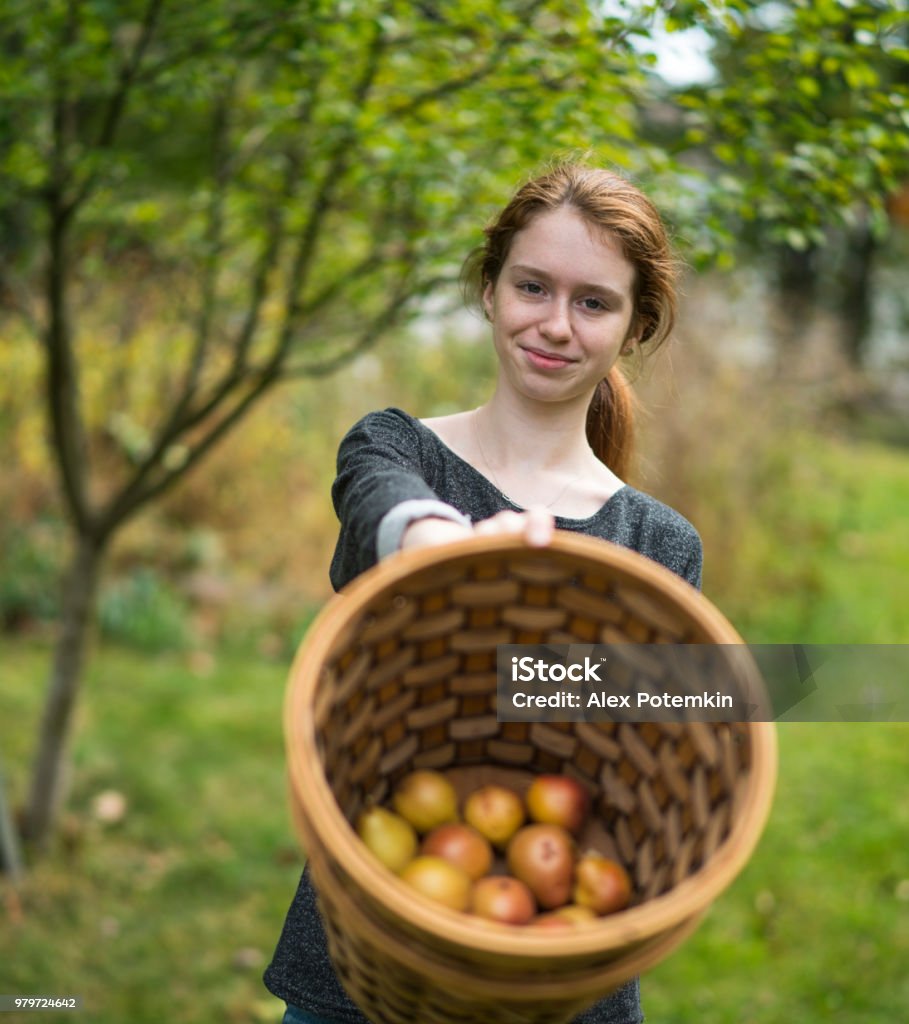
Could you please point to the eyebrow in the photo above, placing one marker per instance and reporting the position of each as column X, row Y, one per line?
column 600, row 289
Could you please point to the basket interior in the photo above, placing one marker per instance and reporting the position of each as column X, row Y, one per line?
column 409, row 681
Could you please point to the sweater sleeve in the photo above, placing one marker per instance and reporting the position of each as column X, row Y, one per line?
column 695, row 561
column 381, row 464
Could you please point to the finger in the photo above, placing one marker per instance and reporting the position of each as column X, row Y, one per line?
column 502, row 522
column 539, row 526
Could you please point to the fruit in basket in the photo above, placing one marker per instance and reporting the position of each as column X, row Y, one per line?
column 558, row 800
column 551, row 921
column 501, row 898
column 542, row 856
column 462, row 846
column 565, row 918
column 388, row 836
column 439, row 880
column 426, row 799
column 496, row 812
column 576, row 913
column 601, row 883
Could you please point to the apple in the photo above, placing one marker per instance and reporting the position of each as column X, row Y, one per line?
column 462, row 845
column 601, row 884
column 558, row 800
column 439, row 880
column 426, row 799
column 496, row 812
column 568, row 917
column 503, row 899
column 388, row 836
column 542, row 856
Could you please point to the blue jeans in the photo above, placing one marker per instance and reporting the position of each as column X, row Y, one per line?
column 294, row 1015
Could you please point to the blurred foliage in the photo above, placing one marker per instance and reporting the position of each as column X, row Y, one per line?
column 806, row 123
column 141, row 610
column 247, row 189
column 801, row 515
column 30, row 555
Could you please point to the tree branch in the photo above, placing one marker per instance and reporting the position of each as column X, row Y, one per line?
column 295, row 159
column 405, row 291
column 117, row 102
column 61, row 378
column 269, row 375
column 128, row 73
column 128, row 503
column 366, row 340
column 470, row 78
column 214, row 240
column 179, row 420
column 322, row 200
column 244, row 35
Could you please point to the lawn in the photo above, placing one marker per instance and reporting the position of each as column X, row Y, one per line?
column 170, row 913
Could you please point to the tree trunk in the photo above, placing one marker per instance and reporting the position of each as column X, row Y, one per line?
column 795, row 282
column 48, row 775
column 856, row 293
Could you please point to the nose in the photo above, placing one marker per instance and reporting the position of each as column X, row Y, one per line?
column 556, row 325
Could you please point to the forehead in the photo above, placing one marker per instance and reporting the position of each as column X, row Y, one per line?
column 566, row 246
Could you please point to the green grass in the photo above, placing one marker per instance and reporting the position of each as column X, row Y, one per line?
column 817, row 926
column 145, row 919
column 153, row 918
column 820, row 553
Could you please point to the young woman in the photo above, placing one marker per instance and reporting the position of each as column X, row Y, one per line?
column 576, row 272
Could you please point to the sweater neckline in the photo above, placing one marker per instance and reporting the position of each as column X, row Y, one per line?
column 453, row 455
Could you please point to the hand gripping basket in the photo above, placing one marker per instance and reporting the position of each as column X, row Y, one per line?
column 399, row 672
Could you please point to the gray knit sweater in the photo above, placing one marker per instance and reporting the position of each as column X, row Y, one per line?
column 388, row 458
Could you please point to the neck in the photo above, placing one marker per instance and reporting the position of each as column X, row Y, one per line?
column 534, row 436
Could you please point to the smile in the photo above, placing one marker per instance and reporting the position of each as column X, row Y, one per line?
column 546, row 360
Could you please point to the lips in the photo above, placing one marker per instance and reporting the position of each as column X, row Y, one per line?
column 546, row 360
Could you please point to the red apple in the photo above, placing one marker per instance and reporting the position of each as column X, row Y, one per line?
column 542, row 856
column 503, row 899
column 462, row 846
column 558, row 800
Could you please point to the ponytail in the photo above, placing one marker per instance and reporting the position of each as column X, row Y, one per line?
column 610, row 422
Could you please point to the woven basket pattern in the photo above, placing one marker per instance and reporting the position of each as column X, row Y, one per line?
column 400, row 673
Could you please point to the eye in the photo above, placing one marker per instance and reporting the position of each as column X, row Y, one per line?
column 594, row 305
column 531, row 287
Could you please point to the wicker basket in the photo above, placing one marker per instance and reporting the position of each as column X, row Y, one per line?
column 399, row 672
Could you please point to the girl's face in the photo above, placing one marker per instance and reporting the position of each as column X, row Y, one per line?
column 562, row 308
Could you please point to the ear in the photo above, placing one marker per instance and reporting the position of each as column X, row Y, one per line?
column 631, row 339
column 488, row 300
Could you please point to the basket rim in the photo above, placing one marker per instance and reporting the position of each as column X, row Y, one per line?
column 588, row 983
column 450, row 927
